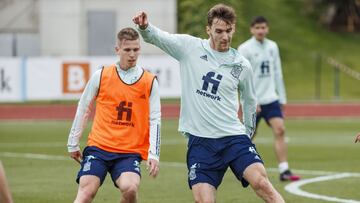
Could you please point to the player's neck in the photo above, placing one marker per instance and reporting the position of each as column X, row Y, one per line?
column 123, row 67
column 214, row 48
column 260, row 40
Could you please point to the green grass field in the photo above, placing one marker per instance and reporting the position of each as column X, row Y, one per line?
column 39, row 170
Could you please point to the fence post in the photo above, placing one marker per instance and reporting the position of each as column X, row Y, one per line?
column 336, row 82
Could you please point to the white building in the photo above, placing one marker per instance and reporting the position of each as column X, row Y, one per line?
column 75, row 27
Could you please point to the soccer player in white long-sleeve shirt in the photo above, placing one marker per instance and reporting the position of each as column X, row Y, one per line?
column 126, row 127
column 212, row 76
column 264, row 57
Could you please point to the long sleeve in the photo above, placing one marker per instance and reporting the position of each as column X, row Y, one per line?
column 279, row 82
column 83, row 111
column 176, row 45
column 248, row 100
column 155, row 122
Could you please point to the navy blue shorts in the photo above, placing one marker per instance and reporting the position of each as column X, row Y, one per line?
column 98, row 162
column 269, row 111
column 208, row 159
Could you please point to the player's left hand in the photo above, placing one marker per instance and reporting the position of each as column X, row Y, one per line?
column 258, row 109
column 357, row 139
column 282, row 107
column 153, row 167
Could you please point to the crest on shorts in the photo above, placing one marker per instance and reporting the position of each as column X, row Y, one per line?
column 192, row 172
column 136, row 166
column 236, row 70
column 87, row 164
column 252, row 150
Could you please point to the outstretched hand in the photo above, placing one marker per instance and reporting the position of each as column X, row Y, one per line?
column 153, row 167
column 141, row 20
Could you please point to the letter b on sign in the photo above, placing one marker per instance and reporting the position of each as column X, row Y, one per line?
column 75, row 76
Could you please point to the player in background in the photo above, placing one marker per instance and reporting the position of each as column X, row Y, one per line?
column 212, row 74
column 126, row 127
column 5, row 195
column 263, row 54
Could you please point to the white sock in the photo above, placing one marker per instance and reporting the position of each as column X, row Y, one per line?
column 283, row 166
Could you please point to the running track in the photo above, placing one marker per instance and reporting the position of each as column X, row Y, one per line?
column 58, row 111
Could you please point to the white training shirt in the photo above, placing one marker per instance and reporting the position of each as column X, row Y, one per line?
column 210, row 85
column 265, row 61
column 89, row 95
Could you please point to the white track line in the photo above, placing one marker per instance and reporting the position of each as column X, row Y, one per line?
column 294, row 187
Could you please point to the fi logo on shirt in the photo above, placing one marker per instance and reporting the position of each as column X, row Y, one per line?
column 210, row 78
column 211, row 82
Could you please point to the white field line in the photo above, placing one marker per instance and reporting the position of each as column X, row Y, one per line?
column 33, row 144
column 164, row 163
column 63, row 144
column 294, row 187
column 33, row 156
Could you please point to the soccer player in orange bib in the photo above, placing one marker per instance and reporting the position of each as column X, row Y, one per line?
column 126, row 128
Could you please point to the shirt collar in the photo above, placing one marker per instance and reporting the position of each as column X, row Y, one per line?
column 263, row 43
column 130, row 70
column 237, row 59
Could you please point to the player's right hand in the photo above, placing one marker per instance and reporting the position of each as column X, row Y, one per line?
column 77, row 156
column 141, row 20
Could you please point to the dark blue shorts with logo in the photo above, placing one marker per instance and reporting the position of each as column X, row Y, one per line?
column 208, row 158
column 269, row 111
column 98, row 162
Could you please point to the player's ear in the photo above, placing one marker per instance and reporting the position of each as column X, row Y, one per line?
column 208, row 30
column 252, row 30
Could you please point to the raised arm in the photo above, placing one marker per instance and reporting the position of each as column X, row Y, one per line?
column 176, row 45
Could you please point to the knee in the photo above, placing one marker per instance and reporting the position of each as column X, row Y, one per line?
column 263, row 184
column 130, row 190
column 280, row 131
column 85, row 194
column 203, row 194
column 203, row 200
